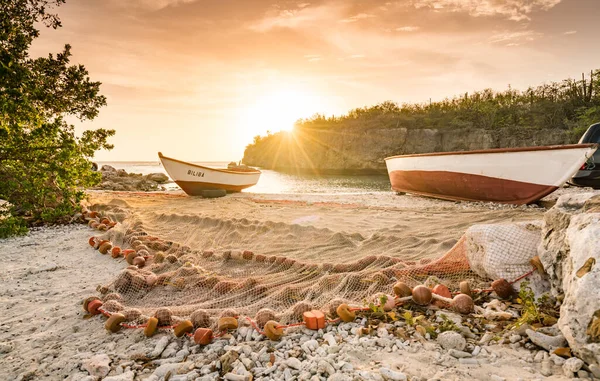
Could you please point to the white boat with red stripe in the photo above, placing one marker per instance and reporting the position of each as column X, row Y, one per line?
column 194, row 178
column 505, row 175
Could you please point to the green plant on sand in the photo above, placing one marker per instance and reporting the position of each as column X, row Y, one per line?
column 534, row 311
column 44, row 164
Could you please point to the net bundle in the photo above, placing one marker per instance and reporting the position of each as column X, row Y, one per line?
column 201, row 268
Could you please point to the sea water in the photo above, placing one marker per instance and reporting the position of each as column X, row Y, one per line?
column 278, row 182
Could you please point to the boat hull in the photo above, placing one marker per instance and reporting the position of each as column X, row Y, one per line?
column 193, row 178
column 513, row 176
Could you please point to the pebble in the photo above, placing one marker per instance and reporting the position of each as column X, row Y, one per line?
column 452, row 340
column 595, row 369
column 127, row 376
column 572, row 365
column 557, row 360
column 514, row 338
column 486, row 338
column 325, row 367
column 583, row 374
column 310, row 346
column 170, row 350
column 540, row 356
column 339, row 377
column 293, row 363
column 546, row 368
column 547, row 342
column 5, row 347
column 330, row 339
column 459, row 354
column 160, row 346
column 389, row 374
column 468, row 361
column 98, row 365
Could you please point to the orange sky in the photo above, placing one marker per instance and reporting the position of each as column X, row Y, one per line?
column 197, row 79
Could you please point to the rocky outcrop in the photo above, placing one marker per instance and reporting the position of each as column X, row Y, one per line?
column 354, row 149
column 571, row 256
column 120, row 180
column 570, row 253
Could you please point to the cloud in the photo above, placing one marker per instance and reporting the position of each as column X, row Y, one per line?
column 510, row 38
column 313, row 57
column 407, row 29
column 570, row 32
column 301, row 16
column 151, row 4
column 357, row 17
column 515, row 10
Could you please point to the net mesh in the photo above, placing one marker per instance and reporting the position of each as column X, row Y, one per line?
column 203, row 268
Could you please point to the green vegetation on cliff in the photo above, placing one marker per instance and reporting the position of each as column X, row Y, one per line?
column 553, row 113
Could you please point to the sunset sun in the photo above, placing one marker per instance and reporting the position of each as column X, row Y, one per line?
column 278, row 110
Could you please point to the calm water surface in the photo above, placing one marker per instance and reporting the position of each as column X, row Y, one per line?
column 277, row 182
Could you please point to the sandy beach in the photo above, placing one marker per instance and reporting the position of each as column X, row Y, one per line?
column 46, row 335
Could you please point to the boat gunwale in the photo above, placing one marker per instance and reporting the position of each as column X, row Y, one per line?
column 251, row 172
column 498, row 150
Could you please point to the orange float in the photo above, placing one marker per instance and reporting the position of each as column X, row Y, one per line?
column 203, row 336
column 94, row 306
column 465, row 288
column 105, row 247
column 503, row 289
column 314, row 319
column 273, row 330
column 462, row 303
column 183, row 328
column 139, row 262
column 441, row 290
column 402, row 290
column 344, row 312
column 422, row 295
column 151, row 327
column 115, row 252
column 113, row 324
column 227, row 323
column 87, row 301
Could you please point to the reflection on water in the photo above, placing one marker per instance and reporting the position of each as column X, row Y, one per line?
column 277, row 182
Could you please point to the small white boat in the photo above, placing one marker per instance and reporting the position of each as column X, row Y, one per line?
column 505, row 175
column 194, row 178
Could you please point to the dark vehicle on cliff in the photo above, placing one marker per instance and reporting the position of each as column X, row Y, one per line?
column 589, row 174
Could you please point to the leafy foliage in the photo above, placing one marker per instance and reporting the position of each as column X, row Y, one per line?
column 534, row 311
column 378, row 311
column 43, row 163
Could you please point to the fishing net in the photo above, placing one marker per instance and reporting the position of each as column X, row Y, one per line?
column 203, row 268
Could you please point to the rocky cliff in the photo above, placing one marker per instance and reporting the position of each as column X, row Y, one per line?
column 362, row 151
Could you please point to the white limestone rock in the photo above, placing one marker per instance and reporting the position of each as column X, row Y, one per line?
column 571, row 256
column 98, row 365
column 389, row 374
column 547, row 342
column 572, row 365
column 127, row 376
column 452, row 340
